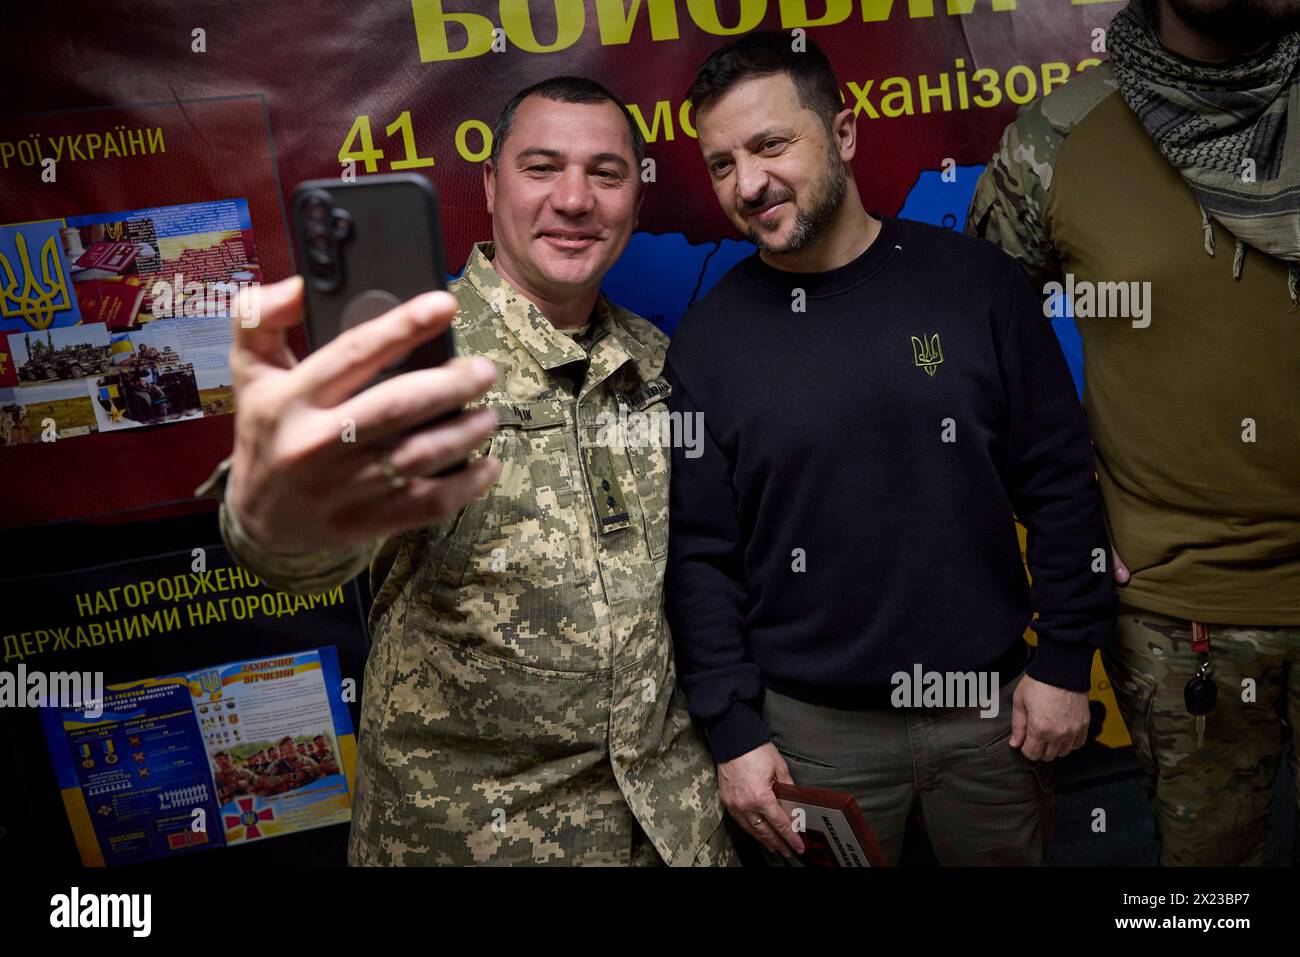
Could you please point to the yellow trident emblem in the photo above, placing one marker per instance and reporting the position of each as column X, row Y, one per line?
column 927, row 354
column 36, row 303
column 210, row 681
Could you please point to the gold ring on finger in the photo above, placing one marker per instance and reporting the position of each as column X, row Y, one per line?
column 389, row 471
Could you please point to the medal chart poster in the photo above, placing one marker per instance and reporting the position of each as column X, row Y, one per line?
column 223, row 710
column 223, row 755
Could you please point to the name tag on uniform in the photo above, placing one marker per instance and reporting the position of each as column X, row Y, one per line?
column 647, row 393
column 539, row 414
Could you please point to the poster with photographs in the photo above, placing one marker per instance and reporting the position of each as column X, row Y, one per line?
column 271, row 737
column 114, row 321
column 263, row 747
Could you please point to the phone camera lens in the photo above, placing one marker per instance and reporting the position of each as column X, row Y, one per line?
column 321, row 264
column 316, row 209
column 318, row 239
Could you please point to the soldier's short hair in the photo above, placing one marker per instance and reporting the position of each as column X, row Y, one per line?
column 564, row 89
column 763, row 53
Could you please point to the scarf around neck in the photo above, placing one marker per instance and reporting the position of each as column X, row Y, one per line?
column 1208, row 121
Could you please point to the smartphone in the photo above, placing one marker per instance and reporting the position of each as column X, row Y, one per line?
column 365, row 247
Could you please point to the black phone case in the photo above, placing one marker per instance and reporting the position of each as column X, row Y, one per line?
column 390, row 252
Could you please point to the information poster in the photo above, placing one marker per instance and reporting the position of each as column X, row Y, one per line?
column 164, row 704
column 237, row 752
column 119, row 320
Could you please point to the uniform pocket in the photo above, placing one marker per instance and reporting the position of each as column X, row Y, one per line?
column 509, row 713
column 797, row 759
column 379, row 678
column 1135, row 692
column 1000, row 742
column 1006, row 697
column 524, row 527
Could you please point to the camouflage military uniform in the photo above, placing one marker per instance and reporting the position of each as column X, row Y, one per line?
column 1207, row 524
column 521, row 702
column 1212, row 801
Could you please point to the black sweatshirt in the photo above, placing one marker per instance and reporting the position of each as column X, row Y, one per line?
column 850, row 513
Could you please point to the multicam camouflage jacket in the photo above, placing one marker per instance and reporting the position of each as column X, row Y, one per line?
column 1010, row 202
column 521, row 702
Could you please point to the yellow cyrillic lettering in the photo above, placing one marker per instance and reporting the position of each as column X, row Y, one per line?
column 431, row 32
column 1054, row 74
column 516, row 20
column 616, row 19
column 903, row 93
column 991, row 86
column 1031, row 84
column 944, row 94
column 662, row 112
column 794, row 13
column 705, row 15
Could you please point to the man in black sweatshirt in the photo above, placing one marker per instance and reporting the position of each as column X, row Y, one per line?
column 879, row 399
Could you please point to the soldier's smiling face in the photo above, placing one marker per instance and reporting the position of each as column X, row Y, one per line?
column 775, row 167
column 564, row 195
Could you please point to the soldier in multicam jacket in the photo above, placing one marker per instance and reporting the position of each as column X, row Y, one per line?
column 521, row 704
column 1129, row 174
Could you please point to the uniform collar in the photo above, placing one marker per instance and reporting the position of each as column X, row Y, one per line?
column 612, row 345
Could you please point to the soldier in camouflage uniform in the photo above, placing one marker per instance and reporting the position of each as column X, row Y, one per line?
column 1117, row 178
column 521, row 704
